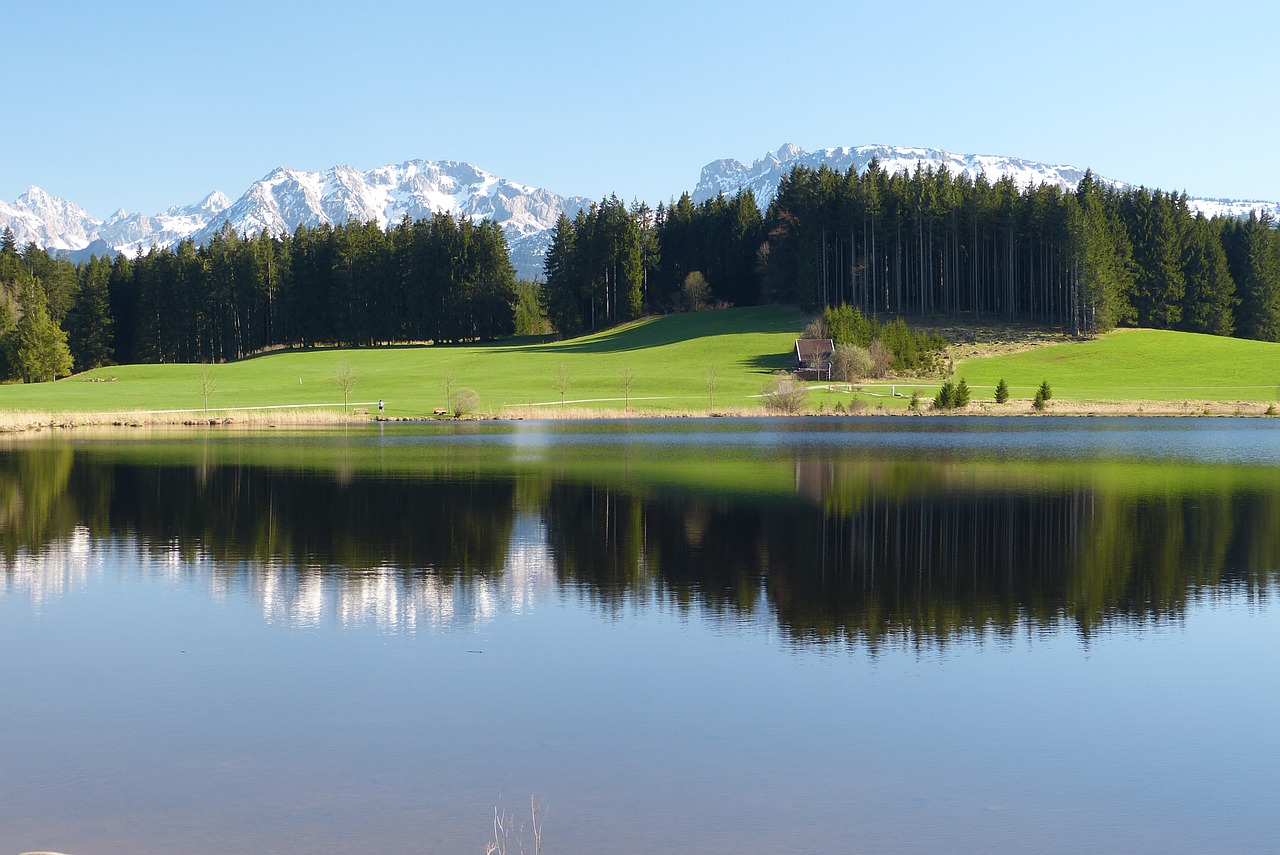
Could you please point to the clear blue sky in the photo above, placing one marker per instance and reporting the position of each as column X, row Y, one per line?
column 146, row 104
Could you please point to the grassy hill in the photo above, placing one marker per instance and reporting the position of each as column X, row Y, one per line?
column 1136, row 365
column 670, row 356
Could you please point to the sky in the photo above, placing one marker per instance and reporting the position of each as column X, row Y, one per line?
column 144, row 105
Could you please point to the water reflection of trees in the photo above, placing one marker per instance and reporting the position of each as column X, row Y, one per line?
column 861, row 550
column 233, row 513
column 916, row 560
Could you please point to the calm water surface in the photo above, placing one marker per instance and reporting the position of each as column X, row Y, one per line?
column 862, row 635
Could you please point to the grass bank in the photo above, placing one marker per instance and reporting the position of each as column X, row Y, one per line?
column 669, row 359
column 1136, row 366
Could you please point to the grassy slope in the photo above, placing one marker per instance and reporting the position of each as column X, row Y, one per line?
column 1145, row 365
column 670, row 356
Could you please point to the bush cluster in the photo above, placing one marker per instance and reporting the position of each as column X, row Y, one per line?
column 892, row 345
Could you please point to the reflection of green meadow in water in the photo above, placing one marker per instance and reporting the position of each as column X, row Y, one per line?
column 845, row 542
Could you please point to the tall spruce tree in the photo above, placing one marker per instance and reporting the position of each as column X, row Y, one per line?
column 90, row 327
column 562, row 289
column 1210, row 300
column 40, row 351
column 1160, row 287
column 1255, row 261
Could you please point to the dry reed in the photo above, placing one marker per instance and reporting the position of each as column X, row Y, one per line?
column 20, row 423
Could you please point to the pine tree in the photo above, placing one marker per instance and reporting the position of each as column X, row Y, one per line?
column 1210, row 301
column 1255, row 261
column 1160, row 287
column 1002, row 391
column 946, row 397
column 90, row 327
column 41, row 351
column 1102, row 267
column 562, row 291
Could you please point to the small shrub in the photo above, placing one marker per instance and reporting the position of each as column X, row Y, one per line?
column 851, row 363
column 857, row 405
column 463, row 402
column 914, row 404
column 1271, row 410
column 1045, row 392
column 838, row 409
column 1002, row 392
column 784, row 394
column 960, row 399
column 1038, row 402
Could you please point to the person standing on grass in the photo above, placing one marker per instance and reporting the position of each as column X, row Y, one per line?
column 379, row 408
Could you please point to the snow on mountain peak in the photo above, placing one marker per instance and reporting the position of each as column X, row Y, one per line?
column 286, row 198
column 763, row 176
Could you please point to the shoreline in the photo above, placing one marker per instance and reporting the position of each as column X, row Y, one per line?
column 22, row 424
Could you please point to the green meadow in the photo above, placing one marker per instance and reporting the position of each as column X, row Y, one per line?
column 1136, row 365
column 670, row 359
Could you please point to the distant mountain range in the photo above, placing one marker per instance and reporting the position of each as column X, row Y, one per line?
column 763, row 176
column 287, row 198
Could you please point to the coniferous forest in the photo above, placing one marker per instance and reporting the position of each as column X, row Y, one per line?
column 437, row 279
column 928, row 245
column 922, row 245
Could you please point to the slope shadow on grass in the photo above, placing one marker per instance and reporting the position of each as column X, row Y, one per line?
column 768, row 363
column 676, row 329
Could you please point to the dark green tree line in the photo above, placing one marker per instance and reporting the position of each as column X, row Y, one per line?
column 612, row 263
column 930, row 243
column 438, row 279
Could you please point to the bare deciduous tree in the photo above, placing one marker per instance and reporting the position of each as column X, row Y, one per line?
column 851, row 363
column 345, row 378
column 446, row 382
column 562, row 381
column 695, row 291
column 881, row 358
column 207, row 386
column 628, row 380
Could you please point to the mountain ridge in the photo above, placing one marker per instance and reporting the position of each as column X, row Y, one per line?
column 286, row 198
column 762, row 176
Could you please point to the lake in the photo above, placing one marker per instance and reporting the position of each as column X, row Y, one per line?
column 742, row 636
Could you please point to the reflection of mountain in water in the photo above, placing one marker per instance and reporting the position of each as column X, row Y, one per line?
column 384, row 596
column 865, row 550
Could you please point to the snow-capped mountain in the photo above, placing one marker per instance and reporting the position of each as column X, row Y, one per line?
column 763, row 176
column 128, row 233
column 287, row 198
column 48, row 221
